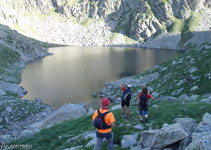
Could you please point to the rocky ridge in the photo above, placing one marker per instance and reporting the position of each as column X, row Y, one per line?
column 110, row 22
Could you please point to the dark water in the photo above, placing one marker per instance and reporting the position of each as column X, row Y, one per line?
column 73, row 74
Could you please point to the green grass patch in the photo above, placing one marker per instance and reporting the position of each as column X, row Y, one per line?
column 54, row 13
column 185, row 26
column 87, row 22
column 176, row 27
column 193, row 21
column 113, row 36
column 55, row 137
column 129, row 40
column 73, row 19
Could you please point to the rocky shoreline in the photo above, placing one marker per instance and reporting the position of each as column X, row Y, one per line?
column 16, row 51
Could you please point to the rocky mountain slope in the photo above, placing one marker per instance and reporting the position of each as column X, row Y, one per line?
column 164, row 23
column 15, row 52
column 187, row 77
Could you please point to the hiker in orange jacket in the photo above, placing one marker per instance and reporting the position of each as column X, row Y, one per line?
column 108, row 123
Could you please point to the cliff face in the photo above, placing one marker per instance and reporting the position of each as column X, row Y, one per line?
column 106, row 22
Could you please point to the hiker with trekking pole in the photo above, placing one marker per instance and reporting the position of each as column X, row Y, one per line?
column 125, row 100
column 143, row 103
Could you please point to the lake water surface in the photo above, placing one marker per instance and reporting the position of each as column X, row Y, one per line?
column 73, row 74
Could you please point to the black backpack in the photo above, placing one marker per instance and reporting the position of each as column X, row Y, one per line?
column 143, row 100
column 127, row 96
column 99, row 122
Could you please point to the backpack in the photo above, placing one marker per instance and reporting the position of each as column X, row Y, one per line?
column 99, row 122
column 143, row 100
column 128, row 95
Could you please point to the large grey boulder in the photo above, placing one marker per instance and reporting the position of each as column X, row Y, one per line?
column 201, row 141
column 66, row 112
column 116, row 107
column 129, row 140
column 163, row 137
column 188, row 124
column 92, row 142
column 6, row 138
column 90, row 111
column 205, row 124
column 26, row 134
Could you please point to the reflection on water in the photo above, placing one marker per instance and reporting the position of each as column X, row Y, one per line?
column 73, row 74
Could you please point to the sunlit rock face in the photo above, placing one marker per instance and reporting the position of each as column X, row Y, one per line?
column 101, row 22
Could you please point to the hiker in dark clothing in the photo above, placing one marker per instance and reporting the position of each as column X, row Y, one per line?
column 142, row 103
column 126, row 97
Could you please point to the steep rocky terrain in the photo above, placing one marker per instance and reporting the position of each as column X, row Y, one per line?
column 111, row 22
column 15, row 52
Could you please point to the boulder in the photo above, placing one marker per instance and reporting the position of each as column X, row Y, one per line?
column 201, row 141
column 188, row 124
column 206, row 120
column 74, row 148
column 116, row 107
column 66, row 112
column 139, row 127
column 26, row 134
column 155, row 106
column 205, row 124
column 139, row 147
column 92, row 142
column 171, row 98
column 2, row 92
column 94, row 94
column 193, row 69
column 1, row 119
column 6, row 138
column 9, row 109
column 129, row 140
column 194, row 97
column 194, row 88
column 184, row 97
column 205, row 100
column 90, row 111
column 163, row 137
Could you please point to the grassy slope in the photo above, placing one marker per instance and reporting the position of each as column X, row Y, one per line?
column 10, row 72
column 8, row 58
column 169, row 78
column 55, row 137
column 165, row 113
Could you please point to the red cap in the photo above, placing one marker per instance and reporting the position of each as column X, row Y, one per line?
column 105, row 102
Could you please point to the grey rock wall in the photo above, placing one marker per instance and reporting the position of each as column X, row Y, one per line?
column 114, row 22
